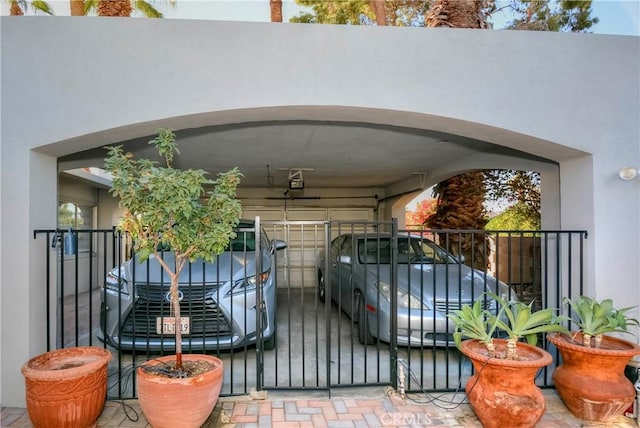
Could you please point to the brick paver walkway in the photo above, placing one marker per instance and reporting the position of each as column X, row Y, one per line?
column 375, row 407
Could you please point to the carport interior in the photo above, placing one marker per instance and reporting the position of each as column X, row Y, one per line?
column 356, row 173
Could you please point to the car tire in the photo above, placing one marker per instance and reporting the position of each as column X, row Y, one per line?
column 321, row 287
column 364, row 334
column 270, row 344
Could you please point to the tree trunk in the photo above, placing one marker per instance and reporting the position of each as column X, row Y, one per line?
column 461, row 198
column 120, row 8
column 175, row 304
column 378, row 8
column 456, row 14
column 460, row 205
column 76, row 7
column 15, row 9
column 276, row 10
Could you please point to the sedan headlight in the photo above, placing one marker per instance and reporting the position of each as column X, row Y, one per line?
column 405, row 299
column 249, row 283
column 506, row 293
column 117, row 283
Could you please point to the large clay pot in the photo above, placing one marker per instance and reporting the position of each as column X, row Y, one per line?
column 591, row 381
column 184, row 402
column 66, row 388
column 503, row 392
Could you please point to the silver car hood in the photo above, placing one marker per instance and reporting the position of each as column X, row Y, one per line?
column 223, row 269
column 462, row 282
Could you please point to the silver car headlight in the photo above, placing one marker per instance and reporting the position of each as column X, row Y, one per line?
column 249, row 283
column 506, row 293
column 405, row 299
column 116, row 283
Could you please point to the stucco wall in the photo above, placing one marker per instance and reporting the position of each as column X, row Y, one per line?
column 70, row 84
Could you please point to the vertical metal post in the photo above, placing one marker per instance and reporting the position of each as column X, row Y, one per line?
column 260, row 307
column 48, row 282
column 393, row 344
column 91, row 309
column 327, row 301
column 58, row 297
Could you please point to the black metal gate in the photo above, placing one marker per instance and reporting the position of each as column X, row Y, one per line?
column 331, row 330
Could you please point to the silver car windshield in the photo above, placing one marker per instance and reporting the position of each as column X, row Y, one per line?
column 244, row 241
column 410, row 251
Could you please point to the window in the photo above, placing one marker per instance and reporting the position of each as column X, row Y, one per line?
column 77, row 217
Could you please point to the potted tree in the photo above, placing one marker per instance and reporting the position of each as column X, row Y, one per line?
column 590, row 379
column 194, row 217
column 502, row 390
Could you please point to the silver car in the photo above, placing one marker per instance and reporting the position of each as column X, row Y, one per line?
column 430, row 284
column 218, row 300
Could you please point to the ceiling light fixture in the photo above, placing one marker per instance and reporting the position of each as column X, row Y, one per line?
column 628, row 173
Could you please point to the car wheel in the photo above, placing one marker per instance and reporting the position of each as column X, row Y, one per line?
column 364, row 335
column 270, row 344
column 321, row 289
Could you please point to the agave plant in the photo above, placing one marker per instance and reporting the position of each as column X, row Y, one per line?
column 515, row 318
column 472, row 322
column 597, row 318
column 522, row 322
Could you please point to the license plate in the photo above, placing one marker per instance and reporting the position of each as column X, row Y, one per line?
column 167, row 325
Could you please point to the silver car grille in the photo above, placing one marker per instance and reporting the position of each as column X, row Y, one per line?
column 157, row 291
column 207, row 321
column 448, row 306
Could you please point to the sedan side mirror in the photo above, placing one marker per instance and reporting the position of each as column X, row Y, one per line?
column 278, row 245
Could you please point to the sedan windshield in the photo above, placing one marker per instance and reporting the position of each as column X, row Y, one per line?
column 410, row 250
column 244, row 241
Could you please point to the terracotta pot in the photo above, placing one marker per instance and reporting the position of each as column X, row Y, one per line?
column 185, row 402
column 66, row 387
column 503, row 392
column 591, row 381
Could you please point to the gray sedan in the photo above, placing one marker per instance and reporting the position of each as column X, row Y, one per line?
column 218, row 304
column 430, row 284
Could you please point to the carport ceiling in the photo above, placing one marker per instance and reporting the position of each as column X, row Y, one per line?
column 330, row 154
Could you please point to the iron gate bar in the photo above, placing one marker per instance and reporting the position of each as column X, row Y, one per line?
column 327, row 303
column 259, row 306
column 393, row 366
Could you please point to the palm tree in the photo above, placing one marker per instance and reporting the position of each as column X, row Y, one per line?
column 114, row 8
column 276, row 10
column 461, row 198
column 458, row 14
column 18, row 7
column 121, row 8
column 460, row 205
column 76, row 7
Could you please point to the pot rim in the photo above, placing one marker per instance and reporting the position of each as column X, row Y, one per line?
column 63, row 363
column 544, row 358
column 214, row 372
column 565, row 341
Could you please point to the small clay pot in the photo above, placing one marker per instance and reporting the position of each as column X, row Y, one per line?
column 66, row 388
